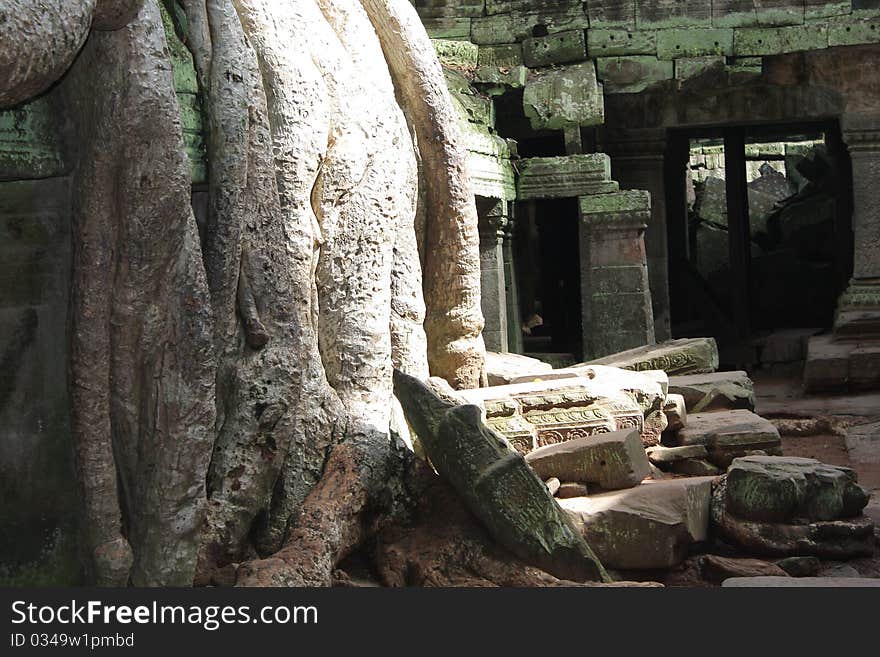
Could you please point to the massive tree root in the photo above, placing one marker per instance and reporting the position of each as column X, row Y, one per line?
column 232, row 396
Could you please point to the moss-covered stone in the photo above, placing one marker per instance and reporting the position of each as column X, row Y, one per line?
column 673, row 44
column 779, row 40
column 561, row 48
column 30, row 142
column 633, row 74
column 612, row 43
column 456, row 53
column 508, row 54
column 565, row 96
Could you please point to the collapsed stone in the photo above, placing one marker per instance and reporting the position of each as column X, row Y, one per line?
column 730, row 434
column 714, row 392
column 495, row 484
column 649, row 526
column 611, row 460
column 684, row 356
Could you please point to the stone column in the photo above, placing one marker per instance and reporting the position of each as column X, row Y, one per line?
column 638, row 162
column 514, row 316
column 616, row 299
column 858, row 310
column 493, row 219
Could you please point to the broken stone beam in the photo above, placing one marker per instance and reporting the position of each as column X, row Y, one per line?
column 684, row 356
column 504, row 369
column 714, row 392
column 730, row 434
column 496, row 484
column 611, row 460
column 649, row 526
column 544, row 413
column 564, row 176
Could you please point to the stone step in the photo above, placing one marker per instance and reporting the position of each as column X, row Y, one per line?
column 730, row 434
column 835, row 365
column 801, row 582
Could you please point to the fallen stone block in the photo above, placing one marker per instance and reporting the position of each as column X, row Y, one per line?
column 801, row 582
column 685, row 356
column 800, row 566
column 675, row 410
column 826, row 539
column 695, row 468
column 665, row 456
column 503, row 369
column 553, row 485
column 717, row 569
column 778, row 489
column 571, row 489
column 714, row 392
column 649, row 526
column 611, row 460
column 730, row 434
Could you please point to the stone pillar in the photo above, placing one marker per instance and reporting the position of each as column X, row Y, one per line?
column 514, row 316
column 638, row 162
column 858, row 310
column 492, row 222
column 616, row 299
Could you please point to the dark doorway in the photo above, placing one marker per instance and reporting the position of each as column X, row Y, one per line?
column 760, row 235
column 548, row 278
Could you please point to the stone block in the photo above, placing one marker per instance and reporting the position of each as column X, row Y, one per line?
column 800, row 566
column 611, row 13
column 675, row 44
column 827, row 364
column 633, row 74
column 491, row 177
column 30, row 144
column 505, row 55
column 773, row 13
column 818, row 9
column 684, row 356
column 734, row 13
column 786, row 345
column 503, row 369
column 610, row 460
column 571, row 489
column 447, row 27
column 564, row 176
column 456, row 53
column 695, row 468
column 515, row 27
column 646, row 527
column 779, row 489
column 666, row 456
column 717, row 569
column 675, row 410
column 730, row 434
column 864, row 366
column 673, row 13
column 558, row 98
column 614, row 43
column 691, row 67
column 440, row 8
column 560, row 48
column 779, row 40
column 714, row 392
column 826, row 539
column 848, row 32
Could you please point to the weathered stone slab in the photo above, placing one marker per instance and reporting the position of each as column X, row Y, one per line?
column 673, row 13
column 801, row 582
column 649, row 526
column 456, row 53
column 730, row 434
column 514, row 77
column 633, row 74
column 665, row 456
column 504, row 369
column 517, row 26
column 447, row 27
column 832, row 539
column 779, row 40
column 734, row 13
column 611, row 460
column 685, row 356
column 774, row 13
column 560, row 48
column 611, row 13
column 571, row 489
column 715, row 391
column 565, row 176
column 691, row 67
column 545, row 413
column 675, row 44
column 570, row 95
column 849, row 32
column 800, row 566
column 827, row 364
column 778, row 489
column 506, row 54
column 717, row 569
column 615, row 43
column 695, row 468
column 786, row 345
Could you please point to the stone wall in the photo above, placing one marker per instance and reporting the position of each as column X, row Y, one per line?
column 636, row 43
